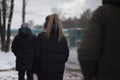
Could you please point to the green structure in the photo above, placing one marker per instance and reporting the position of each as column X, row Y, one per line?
column 75, row 36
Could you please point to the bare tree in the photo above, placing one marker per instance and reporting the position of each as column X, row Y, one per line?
column 5, row 37
column 85, row 17
column 59, row 12
column 81, row 22
column 23, row 11
column 9, row 26
column 0, row 18
column 3, row 26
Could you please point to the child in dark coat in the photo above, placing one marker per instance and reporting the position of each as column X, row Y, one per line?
column 23, row 49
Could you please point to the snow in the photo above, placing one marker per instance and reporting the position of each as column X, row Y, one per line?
column 72, row 62
column 7, row 67
column 7, row 61
column 8, row 75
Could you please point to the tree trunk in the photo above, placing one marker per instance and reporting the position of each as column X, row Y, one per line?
column 0, row 23
column 23, row 12
column 3, row 32
column 0, row 27
column 7, row 46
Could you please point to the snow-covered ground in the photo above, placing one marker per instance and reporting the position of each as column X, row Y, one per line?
column 7, row 67
column 7, row 61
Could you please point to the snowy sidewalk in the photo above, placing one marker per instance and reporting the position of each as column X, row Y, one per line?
column 7, row 66
column 12, row 75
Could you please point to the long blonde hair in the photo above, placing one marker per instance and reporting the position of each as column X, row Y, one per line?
column 59, row 25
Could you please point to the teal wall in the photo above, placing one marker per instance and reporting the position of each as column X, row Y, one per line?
column 73, row 35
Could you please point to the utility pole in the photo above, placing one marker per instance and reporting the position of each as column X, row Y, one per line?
column 23, row 11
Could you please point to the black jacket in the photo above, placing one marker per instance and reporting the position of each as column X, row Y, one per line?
column 52, row 56
column 23, row 48
column 99, row 51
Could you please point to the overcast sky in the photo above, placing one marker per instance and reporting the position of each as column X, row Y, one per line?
column 37, row 10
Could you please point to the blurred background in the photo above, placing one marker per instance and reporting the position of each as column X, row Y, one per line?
column 74, row 14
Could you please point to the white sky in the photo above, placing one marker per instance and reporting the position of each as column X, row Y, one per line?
column 37, row 10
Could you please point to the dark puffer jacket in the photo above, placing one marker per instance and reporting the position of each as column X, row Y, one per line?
column 52, row 56
column 23, row 48
column 99, row 52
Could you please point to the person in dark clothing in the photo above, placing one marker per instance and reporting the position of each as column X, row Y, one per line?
column 52, row 50
column 99, row 51
column 23, row 49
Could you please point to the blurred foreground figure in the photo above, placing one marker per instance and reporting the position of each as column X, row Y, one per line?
column 52, row 50
column 23, row 49
column 99, row 52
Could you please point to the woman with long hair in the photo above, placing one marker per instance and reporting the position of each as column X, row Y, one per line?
column 52, row 50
